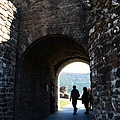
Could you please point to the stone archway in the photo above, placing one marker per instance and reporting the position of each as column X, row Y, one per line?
column 40, row 65
column 71, row 73
column 25, row 21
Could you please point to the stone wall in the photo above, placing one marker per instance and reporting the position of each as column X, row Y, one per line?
column 39, row 65
column 28, row 61
column 104, row 54
column 32, row 100
column 8, row 44
column 41, row 18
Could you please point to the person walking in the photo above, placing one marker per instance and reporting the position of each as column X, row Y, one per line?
column 74, row 96
column 85, row 100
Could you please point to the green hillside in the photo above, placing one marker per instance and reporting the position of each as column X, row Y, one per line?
column 70, row 79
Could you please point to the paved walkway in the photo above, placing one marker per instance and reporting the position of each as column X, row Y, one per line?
column 67, row 113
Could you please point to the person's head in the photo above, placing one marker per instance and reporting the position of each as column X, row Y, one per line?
column 84, row 89
column 89, row 89
column 74, row 86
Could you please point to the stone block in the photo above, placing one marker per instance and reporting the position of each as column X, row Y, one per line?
column 66, row 96
column 117, row 84
column 110, row 115
column 3, row 12
column 118, row 72
column 117, row 118
column 9, row 113
column 106, row 47
column 116, row 42
column 2, row 89
column 104, row 69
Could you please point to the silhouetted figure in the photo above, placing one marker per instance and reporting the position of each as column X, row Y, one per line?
column 85, row 100
column 90, row 98
column 74, row 96
column 52, row 98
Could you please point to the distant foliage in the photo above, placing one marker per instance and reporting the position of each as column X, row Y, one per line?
column 78, row 79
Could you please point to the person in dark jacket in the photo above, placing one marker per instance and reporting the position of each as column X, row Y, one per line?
column 74, row 96
column 85, row 100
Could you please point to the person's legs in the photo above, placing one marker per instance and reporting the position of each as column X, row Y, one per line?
column 74, row 102
column 87, row 108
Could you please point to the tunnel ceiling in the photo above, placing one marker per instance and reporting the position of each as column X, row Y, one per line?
column 54, row 51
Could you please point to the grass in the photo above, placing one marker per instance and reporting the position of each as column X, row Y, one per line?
column 64, row 102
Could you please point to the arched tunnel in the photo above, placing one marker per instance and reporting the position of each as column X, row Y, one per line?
column 41, row 64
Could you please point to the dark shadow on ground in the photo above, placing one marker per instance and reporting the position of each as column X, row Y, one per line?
column 66, row 113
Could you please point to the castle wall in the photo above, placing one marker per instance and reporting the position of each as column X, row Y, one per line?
column 38, row 19
column 42, row 18
column 104, row 54
column 8, row 44
column 33, row 19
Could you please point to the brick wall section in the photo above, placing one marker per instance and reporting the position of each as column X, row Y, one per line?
column 38, row 68
column 38, row 19
column 8, row 41
column 33, row 102
column 41, row 18
column 104, row 54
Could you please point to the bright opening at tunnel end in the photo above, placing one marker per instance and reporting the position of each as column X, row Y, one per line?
column 77, row 67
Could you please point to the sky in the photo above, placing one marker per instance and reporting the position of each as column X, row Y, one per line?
column 77, row 67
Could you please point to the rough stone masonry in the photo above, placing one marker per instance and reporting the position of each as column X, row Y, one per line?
column 40, row 37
